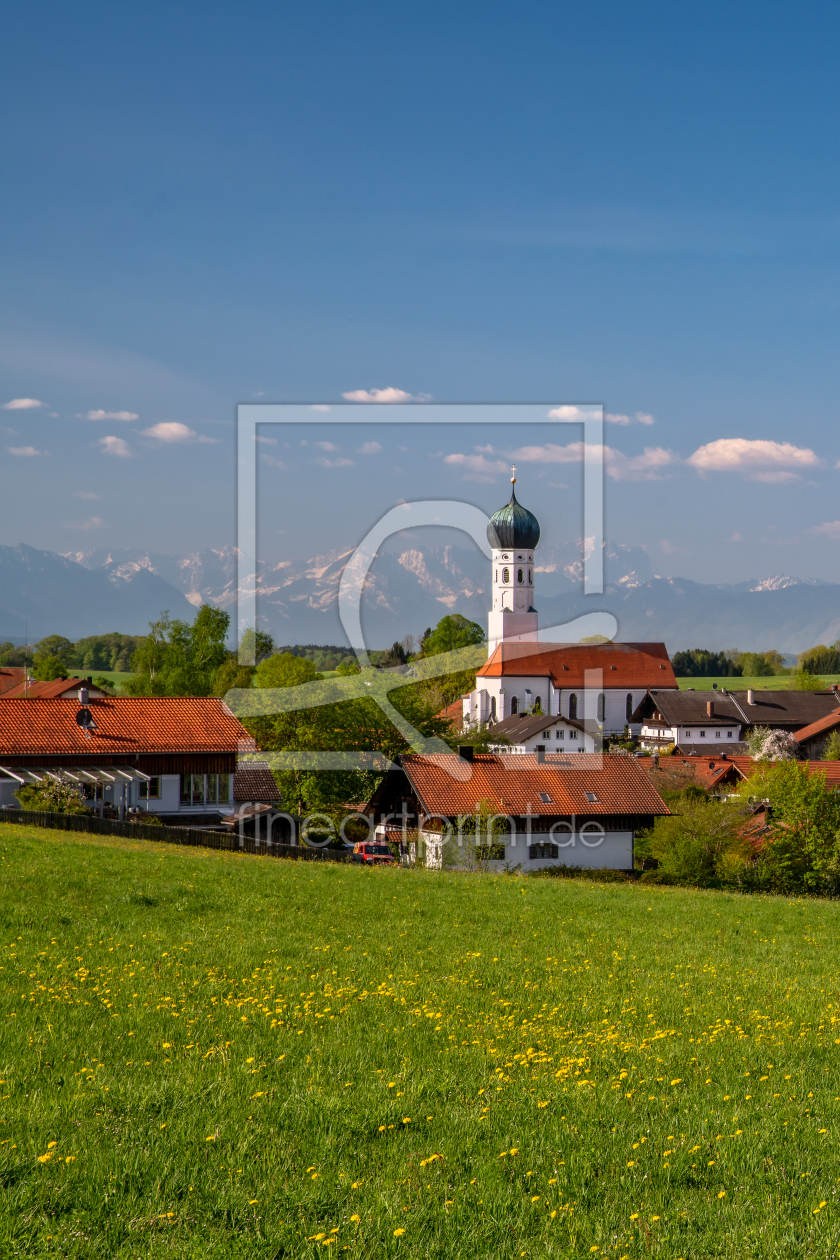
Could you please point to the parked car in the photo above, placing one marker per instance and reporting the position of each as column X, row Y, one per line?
column 370, row 853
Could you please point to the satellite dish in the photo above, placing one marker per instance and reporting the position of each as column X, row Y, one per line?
column 84, row 718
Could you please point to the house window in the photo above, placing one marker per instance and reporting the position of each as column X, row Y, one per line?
column 505, row 575
column 546, row 734
column 542, row 851
column 218, row 789
column 514, row 705
column 544, row 797
column 154, row 788
column 573, row 734
column 192, row 789
column 602, row 707
column 591, row 797
column 728, row 734
column 519, row 576
column 717, row 734
column 560, row 734
column 702, row 734
column 688, row 734
column 628, row 708
column 573, row 707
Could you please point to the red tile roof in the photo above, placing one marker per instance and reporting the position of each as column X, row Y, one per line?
column 453, row 713
column 827, row 723
column 11, row 676
column 447, row 785
column 50, row 690
column 708, row 768
column 623, row 664
column 125, row 724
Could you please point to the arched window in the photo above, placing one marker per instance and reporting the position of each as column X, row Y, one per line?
column 496, row 576
column 514, row 705
column 629, row 708
column 493, row 708
column 505, row 575
column 530, row 578
column 573, row 707
column 537, row 705
column 519, row 576
column 602, row 707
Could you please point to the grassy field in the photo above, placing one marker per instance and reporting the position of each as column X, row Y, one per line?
column 782, row 682
column 208, row 1055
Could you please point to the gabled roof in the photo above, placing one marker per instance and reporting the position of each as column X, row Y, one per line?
column 449, row 786
column 10, row 676
column 707, row 767
column 632, row 665
column 781, row 709
column 253, row 781
column 682, row 708
column 51, row 690
column 523, row 725
column 821, row 727
column 124, row 724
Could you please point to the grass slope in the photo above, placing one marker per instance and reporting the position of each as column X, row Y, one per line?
column 207, row 1055
column 780, row 682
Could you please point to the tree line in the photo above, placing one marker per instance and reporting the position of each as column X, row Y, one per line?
column 703, row 663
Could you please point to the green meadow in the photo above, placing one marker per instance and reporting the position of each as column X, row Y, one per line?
column 777, row 682
column 213, row 1055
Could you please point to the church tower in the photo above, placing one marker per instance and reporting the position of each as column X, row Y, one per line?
column 513, row 534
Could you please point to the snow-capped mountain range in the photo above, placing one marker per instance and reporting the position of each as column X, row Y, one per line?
column 409, row 587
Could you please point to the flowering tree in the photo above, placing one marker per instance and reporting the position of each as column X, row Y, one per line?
column 767, row 745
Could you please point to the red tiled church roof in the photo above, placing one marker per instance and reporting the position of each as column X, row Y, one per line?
column 633, row 665
column 125, row 724
column 447, row 785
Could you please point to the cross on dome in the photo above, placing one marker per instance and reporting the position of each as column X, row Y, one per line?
column 513, row 473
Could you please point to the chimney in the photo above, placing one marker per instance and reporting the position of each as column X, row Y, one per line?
column 466, row 752
column 84, row 698
column 710, row 708
column 750, row 696
column 540, row 756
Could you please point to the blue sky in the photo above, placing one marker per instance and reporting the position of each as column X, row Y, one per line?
column 634, row 205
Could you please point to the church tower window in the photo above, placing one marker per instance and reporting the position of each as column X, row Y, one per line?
column 573, row 707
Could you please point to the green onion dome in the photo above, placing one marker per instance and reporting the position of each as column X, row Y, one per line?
column 513, row 526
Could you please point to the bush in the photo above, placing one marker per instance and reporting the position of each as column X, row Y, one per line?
column 51, row 797
column 696, row 845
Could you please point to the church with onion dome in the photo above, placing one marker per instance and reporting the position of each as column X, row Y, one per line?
column 595, row 687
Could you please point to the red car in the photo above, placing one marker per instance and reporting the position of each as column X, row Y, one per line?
column 369, row 853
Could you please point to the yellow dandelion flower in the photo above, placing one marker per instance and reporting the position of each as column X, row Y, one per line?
column 721, row 1194
column 635, row 1216
column 355, row 1217
column 630, row 1163
column 398, row 1233
column 50, row 1145
column 535, row 1198
column 211, row 1138
column 251, row 1202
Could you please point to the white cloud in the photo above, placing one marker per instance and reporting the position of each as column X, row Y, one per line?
column 267, row 440
column 326, row 446
column 24, row 450
column 387, row 395
column 320, row 407
column 828, row 529
column 110, row 415
column 343, row 462
column 92, row 522
column 114, row 446
column 273, row 461
column 671, row 549
column 174, row 431
column 22, row 404
column 749, row 455
column 85, row 494
column 370, row 448
column 478, row 467
column 638, row 417
column 574, row 413
column 621, row 467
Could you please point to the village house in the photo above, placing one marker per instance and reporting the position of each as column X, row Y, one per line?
column 597, row 683
column 715, row 722
column 56, row 689
column 581, row 811
column 812, row 739
column 530, row 734
column 173, row 756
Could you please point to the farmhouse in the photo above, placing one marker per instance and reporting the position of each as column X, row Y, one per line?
column 716, row 722
column 175, row 756
column 568, row 811
column 601, row 683
column 56, row 689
